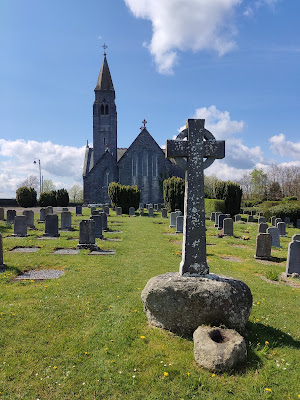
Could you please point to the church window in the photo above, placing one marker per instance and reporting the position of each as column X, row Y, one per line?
column 145, row 163
column 154, row 166
column 134, row 165
column 104, row 141
column 102, row 109
column 107, row 178
column 106, row 109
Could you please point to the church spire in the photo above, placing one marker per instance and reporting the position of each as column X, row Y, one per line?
column 104, row 81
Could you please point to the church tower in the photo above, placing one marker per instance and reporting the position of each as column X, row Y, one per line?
column 104, row 114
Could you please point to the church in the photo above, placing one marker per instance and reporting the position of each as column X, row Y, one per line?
column 143, row 163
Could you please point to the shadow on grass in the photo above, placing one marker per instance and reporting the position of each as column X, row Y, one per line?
column 278, row 259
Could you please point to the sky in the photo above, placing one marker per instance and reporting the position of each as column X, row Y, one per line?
column 235, row 63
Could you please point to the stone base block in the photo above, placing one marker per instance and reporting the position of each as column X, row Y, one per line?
column 219, row 349
column 92, row 247
column 181, row 304
column 17, row 235
column 51, row 235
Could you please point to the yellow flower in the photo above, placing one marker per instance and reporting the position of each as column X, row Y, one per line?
column 142, row 337
column 258, row 302
column 49, row 326
column 213, row 375
column 87, row 302
column 106, row 348
column 13, row 314
column 134, row 310
column 188, row 374
column 166, row 373
column 85, row 352
column 266, row 342
column 268, row 390
column 118, row 297
column 55, row 367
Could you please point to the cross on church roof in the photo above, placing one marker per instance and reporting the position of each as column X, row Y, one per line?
column 144, row 122
column 105, row 47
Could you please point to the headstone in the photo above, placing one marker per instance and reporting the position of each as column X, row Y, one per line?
column 261, row 220
column 281, row 228
column 293, row 257
column 274, row 232
column 131, row 211
column 263, row 246
column 141, row 205
column 51, row 225
column 298, row 224
column 49, row 210
column 106, row 210
column 78, row 210
column 253, row 212
column 119, row 211
column 250, row 218
column 29, row 218
column 150, row 205
column 66, row 220
column 10, row 216
column 1, row 252
column 87, row 235
column 287, row 220
column 273, row 220
column 104, row 221
column 212, row 216
column 237, row 218
column 228, row 226
column 178, row 213
column 150, row 212
column 155, row 207
column 98, row 225
column 96, row 212
column 217, row 218
column 221, row 220
column 43, row 213
column 141, row 212
column 20, row 226
column 277, row 220
column 164, row 213
column 93, row 209
column 159, row 207
column 262, row 227
column 173, row 217
column 179, row 224
column 65, row 209
column 1, row 213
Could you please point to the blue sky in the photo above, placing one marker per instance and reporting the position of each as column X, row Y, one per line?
column 234, row 62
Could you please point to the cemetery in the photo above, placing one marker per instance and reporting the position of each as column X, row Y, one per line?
column 211, row 313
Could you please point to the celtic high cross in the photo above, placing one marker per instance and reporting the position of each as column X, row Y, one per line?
column 194, row 149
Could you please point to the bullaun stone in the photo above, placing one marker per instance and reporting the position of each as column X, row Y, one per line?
column 180, row 304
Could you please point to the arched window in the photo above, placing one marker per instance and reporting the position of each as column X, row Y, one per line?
column 106, row 109
column 107, row 177
column 145, row 163
column 154, row 166
column 102, row 109
column 134, row 164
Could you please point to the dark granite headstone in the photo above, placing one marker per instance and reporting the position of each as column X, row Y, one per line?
column 228, row 226
column 87, row 235
column 213, row 216
column 281, row 228
column 29, row 218
column 1, row 213
column 173, row 217
column 164, row 213
column 273, row 220
column 20, row 226
column 66, row 220
column 237, row 218
column 179, row 224
column 43, row 213
column 262, row 227
column 274, row 232
column 150, row 212
column 119, row 211
column 263, row 246
column 78, row 210
column 131, row 211
column 98, row 225
column 1, row 252
column 221, row 218
column 51, row 225
column 293, row 258
column 10, row 216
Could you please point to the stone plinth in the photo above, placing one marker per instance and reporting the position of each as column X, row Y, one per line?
column 51, row 225
column 182, row 303
column 219, row 349
column 20, row 226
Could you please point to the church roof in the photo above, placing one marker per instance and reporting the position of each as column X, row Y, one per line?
column 104, row 81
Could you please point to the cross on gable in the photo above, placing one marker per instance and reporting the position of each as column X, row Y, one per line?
column 104, row 47
column 144, row 122
column 194, row 149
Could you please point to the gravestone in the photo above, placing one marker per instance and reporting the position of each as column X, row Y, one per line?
column 141, row 205
column 155, row 207
column 150, row 212
column 173, row 217
column 1, row 213
column 49, row 210
column 281, row 228
column 93, row 209
column 106, row 210
column 10, row 216
column 277, row 220
column 98, row 225
column 179, row 224
column 261, row 220
column 66, row 221
column 149, row 206
column 212, row 216
column 43, row 213
column 263, row 246
column 51, row 225
column 78, row 210
column 180, row 302
column 104, row 221
column 65, row 209
column 293, row 257
column 250, row 218
column 87, row 235
column 119, row 211
column 274, row 232
column 287, row 220
column 29, row 218
column 178, row 213
column 262, row 227
column 228, row 227
column 298, row 224
column 1, row 252
column 20, row 226
column 131, row 211
column 237, row 218
column 164, row 213
column 253, row 212
column 217, row 218
column 273, row 220
column 221, row 218
column 141, row 212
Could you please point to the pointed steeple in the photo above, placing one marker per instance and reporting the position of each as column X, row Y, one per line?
column 104, row 81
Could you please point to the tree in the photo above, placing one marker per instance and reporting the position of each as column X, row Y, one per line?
column 30, row 182
column 259, row 181
column 62, row 198
column 48, row 186
column 245, row 183
column 76, row 193
column 26, row 197
column 210, row 183
column 274, row 191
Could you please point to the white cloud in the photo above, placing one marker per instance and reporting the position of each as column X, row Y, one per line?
column 62, row 164
column 284, row 147
column 186, row 25
column 255, row 5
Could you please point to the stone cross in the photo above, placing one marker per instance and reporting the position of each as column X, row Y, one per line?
column 144, row 122
column 194, row 149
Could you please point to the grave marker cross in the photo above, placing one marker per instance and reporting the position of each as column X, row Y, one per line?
column 191, row 147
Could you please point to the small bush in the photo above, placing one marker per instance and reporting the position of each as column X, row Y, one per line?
column 26, row 197
column 62, row 198
column 48, row 199
column 272, row 275
column 285, row 209
column 213, row 205
column 174, row 189
column 124, row 196
column 292, row 198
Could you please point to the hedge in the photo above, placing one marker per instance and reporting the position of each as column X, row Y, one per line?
column 26, row 197
column 231, row 193
column 124, row 196
column 62, row 197
column 173, row 189
column 48, row 199
column 213, row 205
column 285, row 209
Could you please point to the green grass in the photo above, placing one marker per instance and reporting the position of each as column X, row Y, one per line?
column 85, row 335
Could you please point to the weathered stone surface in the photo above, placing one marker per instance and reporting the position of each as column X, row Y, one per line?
column 263, row 246
column 1, row 213
column 228, row 226
column 182, row 303
column 237, row 218
column 150, row 212
column 78, row 210
column 281, row 227
column 164, row 213
column 87, row 235
column 98, row 225
column 131, row 211
column 20, row 226
column 29, row 218
column 179, row 224
column 49, row 210
column 219, row 349
column 262, row 227
column 10, row 216
column 119, row 211
column 273, row 220
column 51, row 225
column 66, row 220
column 293, row 258
column 274, row 232
column 173, row 217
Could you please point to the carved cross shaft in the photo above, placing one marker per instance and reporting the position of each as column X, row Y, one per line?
column 200, row 144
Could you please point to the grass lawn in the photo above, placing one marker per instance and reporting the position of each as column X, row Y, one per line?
column 85, row 335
